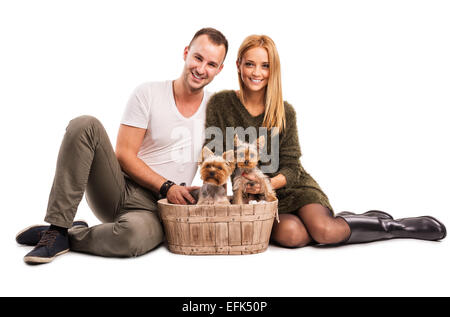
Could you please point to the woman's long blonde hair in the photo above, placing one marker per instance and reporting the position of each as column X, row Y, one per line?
column 274, row 115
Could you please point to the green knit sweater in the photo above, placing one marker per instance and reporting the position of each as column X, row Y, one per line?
column 224, row 109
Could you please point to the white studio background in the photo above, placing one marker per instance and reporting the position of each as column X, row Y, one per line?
column 369, row 81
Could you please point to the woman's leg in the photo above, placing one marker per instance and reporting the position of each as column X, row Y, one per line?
column 290, row 232
column 326, row 229
column 322, row 226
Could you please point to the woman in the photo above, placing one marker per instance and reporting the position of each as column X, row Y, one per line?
column 306, row 215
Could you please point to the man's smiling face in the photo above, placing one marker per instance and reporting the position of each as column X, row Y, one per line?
column 203, row 61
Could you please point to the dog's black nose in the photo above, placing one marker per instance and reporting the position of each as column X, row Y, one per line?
column 246, row 162
column 212, row 173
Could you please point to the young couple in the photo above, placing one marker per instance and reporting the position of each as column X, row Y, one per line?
column 122, row 186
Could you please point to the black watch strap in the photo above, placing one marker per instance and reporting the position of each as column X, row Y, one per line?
column 165, row 188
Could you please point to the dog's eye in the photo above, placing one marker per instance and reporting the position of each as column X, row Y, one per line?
column 241, row 154
column 208, row 166
column 219, row 168
column 252, row 155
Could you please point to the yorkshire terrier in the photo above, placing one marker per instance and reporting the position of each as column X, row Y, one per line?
column 247, row 158
column 214, row 172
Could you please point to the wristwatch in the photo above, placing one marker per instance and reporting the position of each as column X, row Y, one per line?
column 165, row 188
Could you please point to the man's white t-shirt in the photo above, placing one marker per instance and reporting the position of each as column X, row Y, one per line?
column 172, row 143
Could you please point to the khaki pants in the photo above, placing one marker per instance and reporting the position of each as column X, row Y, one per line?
column 87, row 164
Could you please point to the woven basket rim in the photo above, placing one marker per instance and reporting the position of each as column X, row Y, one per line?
column 163, row 201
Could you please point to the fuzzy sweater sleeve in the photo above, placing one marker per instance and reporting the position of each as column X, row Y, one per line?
column 289, row 151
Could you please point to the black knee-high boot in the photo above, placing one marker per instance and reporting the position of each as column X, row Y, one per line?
column 370, row 213
column 367, row 229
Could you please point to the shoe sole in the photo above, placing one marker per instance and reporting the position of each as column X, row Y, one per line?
column 40, row 260
column 81, row 220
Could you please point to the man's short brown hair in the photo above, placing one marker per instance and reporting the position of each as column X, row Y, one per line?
column 214, row 35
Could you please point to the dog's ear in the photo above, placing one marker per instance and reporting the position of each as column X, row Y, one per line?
column 228, row 156
column 237, row 142
column 206, row 152
column 260, row 142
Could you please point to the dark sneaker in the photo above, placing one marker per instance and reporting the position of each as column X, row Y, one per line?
column 32, row 235
column 52, row 244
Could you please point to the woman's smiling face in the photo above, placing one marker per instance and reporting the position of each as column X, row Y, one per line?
column 254, row 69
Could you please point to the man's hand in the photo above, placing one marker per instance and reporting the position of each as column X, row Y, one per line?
column 179, row 194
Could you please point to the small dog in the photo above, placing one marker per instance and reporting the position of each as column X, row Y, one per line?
column 247, row 157
column 214, row 172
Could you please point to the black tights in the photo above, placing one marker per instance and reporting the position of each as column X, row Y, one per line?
column 312, row 222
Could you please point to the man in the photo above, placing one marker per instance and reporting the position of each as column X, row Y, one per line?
column 122, row 187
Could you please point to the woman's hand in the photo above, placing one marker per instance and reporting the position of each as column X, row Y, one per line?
column 253, row 186
column 278, row 181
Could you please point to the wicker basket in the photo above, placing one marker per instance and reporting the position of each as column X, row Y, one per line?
column 218, row 229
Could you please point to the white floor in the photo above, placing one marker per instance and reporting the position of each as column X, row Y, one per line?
column 387, row 268
column 369, row 82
